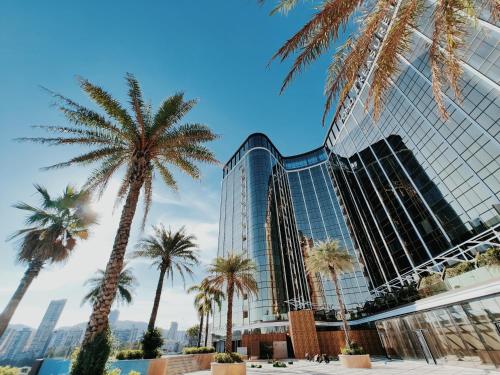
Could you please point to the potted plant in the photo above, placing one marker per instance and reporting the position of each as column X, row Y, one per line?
column 228, row 364
column 354, row 356
column 237, row 274
column 330, row 259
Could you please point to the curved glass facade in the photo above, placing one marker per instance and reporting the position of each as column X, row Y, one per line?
column 273, row 209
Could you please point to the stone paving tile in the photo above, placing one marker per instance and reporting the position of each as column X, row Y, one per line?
column 380, row 367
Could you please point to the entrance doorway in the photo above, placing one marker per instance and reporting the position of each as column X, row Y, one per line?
column 424, row 346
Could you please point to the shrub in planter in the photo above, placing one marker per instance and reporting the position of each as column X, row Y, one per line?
column 196, row 350
column 279, row 364
column 255, row 366
column 228, row 358
column 129, row 354
column 353, row 349
column 459, row 269
column 151, row 343
column 490, row 257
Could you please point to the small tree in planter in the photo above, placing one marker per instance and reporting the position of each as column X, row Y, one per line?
column 329, row 259
column 236, row 273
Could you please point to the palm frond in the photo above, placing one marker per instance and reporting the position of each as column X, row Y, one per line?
column 137, row 104
column 80, row 115
column 110, row 105
column 350, row 59
column 450, row 21
column 284, row 6
column 396, row 43
column 165, row 174
column 315, row 37
column 53, row 228
column 88, row 158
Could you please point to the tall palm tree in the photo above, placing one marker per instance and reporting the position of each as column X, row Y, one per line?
column 204, row 300
column 50, row 236
column 172, row 252
column 236, row 272
column 330, row 260
column 142, row 143
column 126, row 285
column 452, row 18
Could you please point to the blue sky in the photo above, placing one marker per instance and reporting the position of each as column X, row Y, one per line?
column 216, row 51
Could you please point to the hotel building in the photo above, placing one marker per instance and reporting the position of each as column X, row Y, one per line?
column 407, row 195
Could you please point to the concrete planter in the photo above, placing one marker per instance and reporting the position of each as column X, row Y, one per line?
column 355, row 361
column 229, row 368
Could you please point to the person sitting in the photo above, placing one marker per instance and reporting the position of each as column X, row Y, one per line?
column 308, row 357
column 320, row 358
column 326, row 358
column 315, row 358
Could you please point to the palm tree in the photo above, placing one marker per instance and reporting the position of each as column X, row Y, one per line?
column 126, row 285
column 330, row 260
column 172, row 252
column 50, row 237
column 451, row 21
column 236, row 272
column 142, row 143
column 204, row 300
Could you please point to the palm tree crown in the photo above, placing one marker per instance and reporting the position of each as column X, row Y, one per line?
column 234, row 268
column 451, row 20
column 54, row 227
column 236, row 272
column 50, row 236
column 142, row 142
column 126, row 285
column 328, row 256
column 173, row 251
column 204, row 300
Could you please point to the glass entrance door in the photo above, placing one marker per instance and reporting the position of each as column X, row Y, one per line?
column 425, row 347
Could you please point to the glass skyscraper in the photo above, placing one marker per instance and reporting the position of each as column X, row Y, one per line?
column 406, row 194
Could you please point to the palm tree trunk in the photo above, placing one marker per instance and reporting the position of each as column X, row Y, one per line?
column 156, row 304
column 98, row 321
column 229, row 319
column 201, row 328
column 342, row 308
column 206, row 328
column 33, row 270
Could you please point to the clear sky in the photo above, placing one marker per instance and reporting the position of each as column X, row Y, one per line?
column 213, row 50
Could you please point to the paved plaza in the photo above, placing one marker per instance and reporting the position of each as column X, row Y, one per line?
column 380, row 367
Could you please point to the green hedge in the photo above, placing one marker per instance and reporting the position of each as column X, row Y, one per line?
column 228, row 358
column 129, row 354
column 196, row 350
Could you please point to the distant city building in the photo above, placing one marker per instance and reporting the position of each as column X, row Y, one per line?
column 46, row 327
column 64, row 341
column 113, row 317
column 127, row 335
column 16, row 344
column 172, row 331
column 6, row 337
